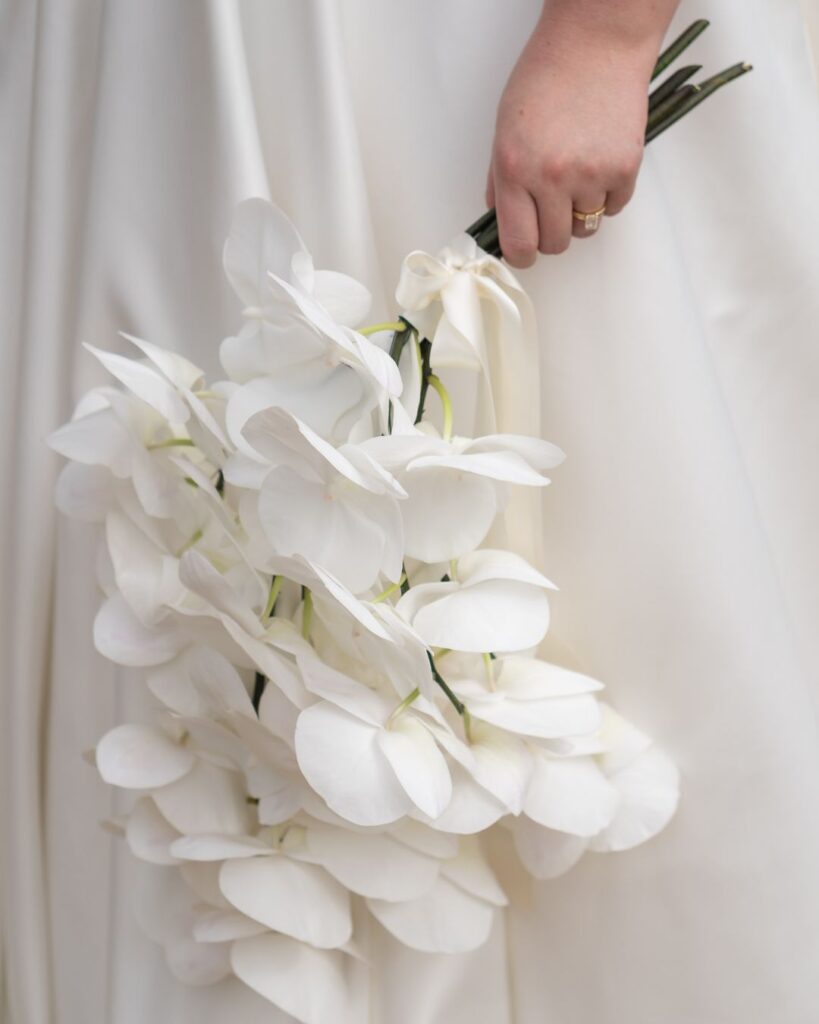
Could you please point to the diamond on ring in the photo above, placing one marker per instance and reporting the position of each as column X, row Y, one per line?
column 589, row 218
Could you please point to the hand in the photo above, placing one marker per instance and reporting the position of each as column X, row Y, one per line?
column 570, row 131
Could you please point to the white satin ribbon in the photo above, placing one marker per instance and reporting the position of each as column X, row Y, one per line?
column 478, row 317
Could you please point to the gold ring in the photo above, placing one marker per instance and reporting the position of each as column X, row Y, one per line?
column 590, row 218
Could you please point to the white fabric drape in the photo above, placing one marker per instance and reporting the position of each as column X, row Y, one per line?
column 680, row 367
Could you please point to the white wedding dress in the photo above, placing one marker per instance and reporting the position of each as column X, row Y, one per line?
column 680, row 373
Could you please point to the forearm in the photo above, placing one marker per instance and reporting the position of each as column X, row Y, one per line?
column 630, row 24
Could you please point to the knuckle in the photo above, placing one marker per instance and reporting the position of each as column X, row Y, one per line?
column 626, row 170
column 509, row 161
column 556, row 169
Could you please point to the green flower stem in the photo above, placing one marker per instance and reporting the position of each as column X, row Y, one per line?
column 399, row 341
column 376, row 328
column 426, row 371
column 490, row 672
column 405, row 703
column 307, row 613
column 459, row 706
column 276, row 585
column 682, row 42
column 172, row 442
column 665, row 109
column 446, row 402
column 706, row 89
column 259, row 684
column 670, row 85
column 391, row 589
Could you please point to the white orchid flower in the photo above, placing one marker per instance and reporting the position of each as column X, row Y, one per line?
column 496, row 602
column 126, row 436
column 297, row 351
column 263, row 240
column 455, row 489
column 166, row 383
column 646, row 779
column 334, row 506
column 371, row 760
column 133, row 440
column 525, row 695
column 641, row 798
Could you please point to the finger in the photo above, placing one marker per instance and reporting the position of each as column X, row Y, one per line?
column 517, row 224
column 490, row 189
column 554, row 211
column 587, row 200
column 618, row 198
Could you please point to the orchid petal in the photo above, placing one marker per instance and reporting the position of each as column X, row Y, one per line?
column 489, row 564
column 181, row 372
column 347, row 301
column 146, row 576
column 144, row 382
column 218, row 847
column 464, row 508
column 261, row 239
column 531, row 679
column 471, row 872
column 198, row 575
column 342, row 761
column 300, row 900
column 149, row 835
column 195, row 963
column 495, row 615
column 97, row 439
column 552, row 718
column 139, row 757
column 503, row 765
column 445, row 920
column 570, row 795
column 343, row 532
column 419, row 765
column 649, row 793
column 308, row 984
column 209, row 799
column 544, row 852
column 372, row 864
column 85, row 492
column 472, row 809
column 217, row 925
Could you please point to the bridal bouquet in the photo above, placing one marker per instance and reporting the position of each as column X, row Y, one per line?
column 327, row 596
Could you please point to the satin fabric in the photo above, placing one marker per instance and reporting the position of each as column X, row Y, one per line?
column 679, row 371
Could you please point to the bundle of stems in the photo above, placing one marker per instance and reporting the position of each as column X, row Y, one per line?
column 667, row 103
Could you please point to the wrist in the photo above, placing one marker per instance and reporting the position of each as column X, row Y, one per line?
column 619, row 31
